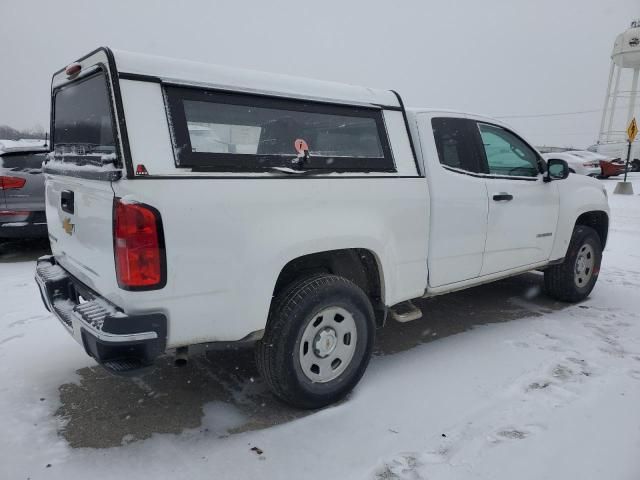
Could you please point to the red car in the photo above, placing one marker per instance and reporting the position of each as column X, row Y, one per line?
column 611, row 168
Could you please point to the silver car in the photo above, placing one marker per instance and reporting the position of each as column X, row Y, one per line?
column 22, row 192
column 578, row 162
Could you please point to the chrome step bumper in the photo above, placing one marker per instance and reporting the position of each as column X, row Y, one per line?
column 107, row 334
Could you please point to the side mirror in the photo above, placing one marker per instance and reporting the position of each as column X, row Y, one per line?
column 557, row 169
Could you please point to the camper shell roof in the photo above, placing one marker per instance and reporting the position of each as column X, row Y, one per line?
column 130, row 65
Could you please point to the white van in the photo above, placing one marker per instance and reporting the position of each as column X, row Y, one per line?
column 190, row 203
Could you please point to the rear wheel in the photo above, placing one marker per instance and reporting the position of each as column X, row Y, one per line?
column 318, row 341
column 573, row 280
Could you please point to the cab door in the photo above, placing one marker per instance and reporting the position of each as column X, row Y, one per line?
column 523, row 209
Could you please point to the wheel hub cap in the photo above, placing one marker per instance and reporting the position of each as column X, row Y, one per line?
column 325, row 342
column 585, row 263
column 328, row 344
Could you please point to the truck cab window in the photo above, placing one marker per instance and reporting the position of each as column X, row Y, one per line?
column 455, row 143
column 506, row 153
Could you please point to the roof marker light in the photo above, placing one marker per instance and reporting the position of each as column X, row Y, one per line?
column 73, row 69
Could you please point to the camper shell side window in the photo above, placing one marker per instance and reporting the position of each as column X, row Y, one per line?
column 214, row 130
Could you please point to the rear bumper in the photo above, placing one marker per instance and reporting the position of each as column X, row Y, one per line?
column 121, row 343
column 33, row 226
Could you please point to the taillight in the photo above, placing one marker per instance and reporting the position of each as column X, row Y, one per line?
column 139, row 246
column 8, row 183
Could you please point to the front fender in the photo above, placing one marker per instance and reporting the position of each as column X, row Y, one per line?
column 578, row 195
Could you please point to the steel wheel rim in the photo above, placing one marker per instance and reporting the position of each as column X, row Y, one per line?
column 328, row 344
column 585, row 263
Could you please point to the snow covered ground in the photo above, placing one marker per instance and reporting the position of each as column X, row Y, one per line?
column 496, row 382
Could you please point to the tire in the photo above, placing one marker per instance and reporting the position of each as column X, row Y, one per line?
column 305, row 320
column 573, row 280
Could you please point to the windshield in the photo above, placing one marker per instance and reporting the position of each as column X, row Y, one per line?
column 82, row 118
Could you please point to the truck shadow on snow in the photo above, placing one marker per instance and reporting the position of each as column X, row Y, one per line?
column 103, row 411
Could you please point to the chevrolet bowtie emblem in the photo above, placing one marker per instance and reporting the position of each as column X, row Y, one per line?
column 67, row 226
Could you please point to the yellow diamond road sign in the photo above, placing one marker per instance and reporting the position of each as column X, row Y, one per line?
column 632, row 130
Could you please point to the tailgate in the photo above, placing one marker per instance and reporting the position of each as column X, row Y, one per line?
column 86, row 157
column 79, row 219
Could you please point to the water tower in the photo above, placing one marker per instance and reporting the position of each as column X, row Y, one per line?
column 620, row 103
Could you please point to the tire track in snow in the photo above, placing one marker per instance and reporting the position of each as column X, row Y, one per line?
column 12, row 337
column 552, row 384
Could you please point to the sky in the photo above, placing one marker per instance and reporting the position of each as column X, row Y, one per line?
column 497, row 57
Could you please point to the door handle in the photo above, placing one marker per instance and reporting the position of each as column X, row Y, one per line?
column 503, row 197
column 66, row 201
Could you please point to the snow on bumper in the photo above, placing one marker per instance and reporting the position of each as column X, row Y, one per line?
column 117, row 341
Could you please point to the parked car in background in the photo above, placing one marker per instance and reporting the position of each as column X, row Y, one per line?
column 620, row 150
column 612, row 168
column 609, row 166
column 587, row 155
column 548, row 149
column 22, row 189
column 577, row 164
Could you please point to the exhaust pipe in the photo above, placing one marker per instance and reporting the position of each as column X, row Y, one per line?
column 182, row 356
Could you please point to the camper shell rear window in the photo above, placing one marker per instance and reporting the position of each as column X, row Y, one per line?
column 83, row 122
column 224, row 131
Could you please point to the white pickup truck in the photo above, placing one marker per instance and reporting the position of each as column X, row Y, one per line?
column 193, row 204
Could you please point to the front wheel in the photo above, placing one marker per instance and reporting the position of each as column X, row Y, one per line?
column 573, row 280
column 318, row 341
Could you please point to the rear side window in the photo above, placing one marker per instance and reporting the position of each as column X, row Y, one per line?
column 83, row 119
column 455, row 143
column 228, row 131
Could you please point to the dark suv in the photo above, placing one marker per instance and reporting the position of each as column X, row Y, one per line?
column 22, row 192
